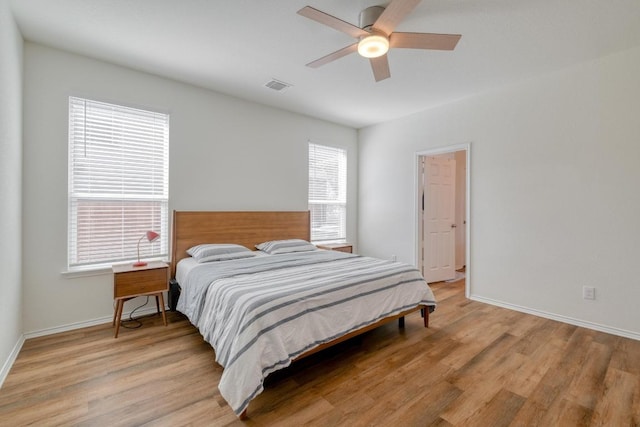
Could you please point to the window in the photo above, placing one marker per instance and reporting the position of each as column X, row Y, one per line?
column 118, row 183
column 327, row 192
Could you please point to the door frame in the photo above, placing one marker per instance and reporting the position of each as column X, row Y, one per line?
column 466, row 147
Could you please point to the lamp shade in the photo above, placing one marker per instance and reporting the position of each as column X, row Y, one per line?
column 151, row 236
column 373, row 46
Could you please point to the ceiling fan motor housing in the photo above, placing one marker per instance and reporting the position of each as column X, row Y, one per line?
column 369, row 16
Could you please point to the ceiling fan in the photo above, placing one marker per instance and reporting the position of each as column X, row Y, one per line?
column 376, row 35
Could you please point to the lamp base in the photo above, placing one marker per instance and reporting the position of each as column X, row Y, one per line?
column 139, row 264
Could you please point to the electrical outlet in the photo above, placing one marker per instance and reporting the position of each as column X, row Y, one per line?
column 394, row 258
column 588, row 292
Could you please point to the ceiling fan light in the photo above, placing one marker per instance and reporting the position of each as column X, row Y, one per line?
column 373, row 46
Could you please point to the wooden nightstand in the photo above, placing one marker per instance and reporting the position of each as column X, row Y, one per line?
column 340, row 247
column 130, row 282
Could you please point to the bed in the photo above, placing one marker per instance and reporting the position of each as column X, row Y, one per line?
column 265, row 309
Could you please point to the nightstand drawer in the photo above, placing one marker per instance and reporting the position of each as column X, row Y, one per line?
column 347, row 249
column 140, row 282
column 340, row 247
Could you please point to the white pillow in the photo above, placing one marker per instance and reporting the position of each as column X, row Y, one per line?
column 219, row 252
column 286, row 246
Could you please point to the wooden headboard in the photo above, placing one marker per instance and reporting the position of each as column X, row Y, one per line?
column 247, row 228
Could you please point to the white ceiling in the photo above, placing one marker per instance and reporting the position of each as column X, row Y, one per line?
column 236, row 46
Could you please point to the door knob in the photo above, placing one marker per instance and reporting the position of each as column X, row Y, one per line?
column 453, row 226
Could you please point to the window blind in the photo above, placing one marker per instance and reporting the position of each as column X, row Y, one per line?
column 118, row 183
column 327, row 192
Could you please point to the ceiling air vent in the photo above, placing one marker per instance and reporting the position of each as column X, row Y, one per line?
column 277, row 85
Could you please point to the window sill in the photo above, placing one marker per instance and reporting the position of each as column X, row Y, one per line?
column 99, row 270
column 95, row 271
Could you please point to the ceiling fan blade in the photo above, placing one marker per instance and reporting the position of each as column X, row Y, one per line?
column 424, row 41
column 333, row 56
column 393, row 14
column 332, row 21
column 380, row 67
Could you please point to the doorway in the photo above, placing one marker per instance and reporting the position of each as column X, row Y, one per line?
column 443, row 212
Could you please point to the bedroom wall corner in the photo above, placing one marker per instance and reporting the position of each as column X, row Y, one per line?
column 11, row 307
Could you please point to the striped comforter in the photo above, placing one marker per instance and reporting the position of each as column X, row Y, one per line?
column 261, row 313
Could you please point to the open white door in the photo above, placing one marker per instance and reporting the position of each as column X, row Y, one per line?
column 439, row 184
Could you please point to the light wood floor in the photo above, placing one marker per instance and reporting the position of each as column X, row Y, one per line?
column 476, row 365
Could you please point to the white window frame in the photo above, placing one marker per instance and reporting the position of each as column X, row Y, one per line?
column 118, row 184
column 328, row 193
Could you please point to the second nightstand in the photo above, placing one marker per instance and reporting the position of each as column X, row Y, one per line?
column 130, row 282
column 340, row 247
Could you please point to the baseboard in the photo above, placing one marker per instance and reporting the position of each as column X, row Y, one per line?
column 86, row 323
column 11, row 359
column 560, row 318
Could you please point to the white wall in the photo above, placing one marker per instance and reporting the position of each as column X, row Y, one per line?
column 554, row 183
column 225, row 154
column 10, row 187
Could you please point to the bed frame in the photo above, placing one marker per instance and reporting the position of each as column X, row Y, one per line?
column 249, row 228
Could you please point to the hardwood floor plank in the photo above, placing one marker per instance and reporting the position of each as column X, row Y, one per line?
column 537, row 333
column 475, row 335
column 626, row 356
column 588, row 383
column 534, row 368
column 476, row 365
column 617, row 405
column 200, row 413
column 492, row 358
column 440, row 423
column 352, row 407
column 559, row 376
column 498, row 412
column 470, row 402
column 563, row 411
column 424, row 408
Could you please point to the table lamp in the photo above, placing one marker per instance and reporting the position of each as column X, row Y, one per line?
column 151, row 236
